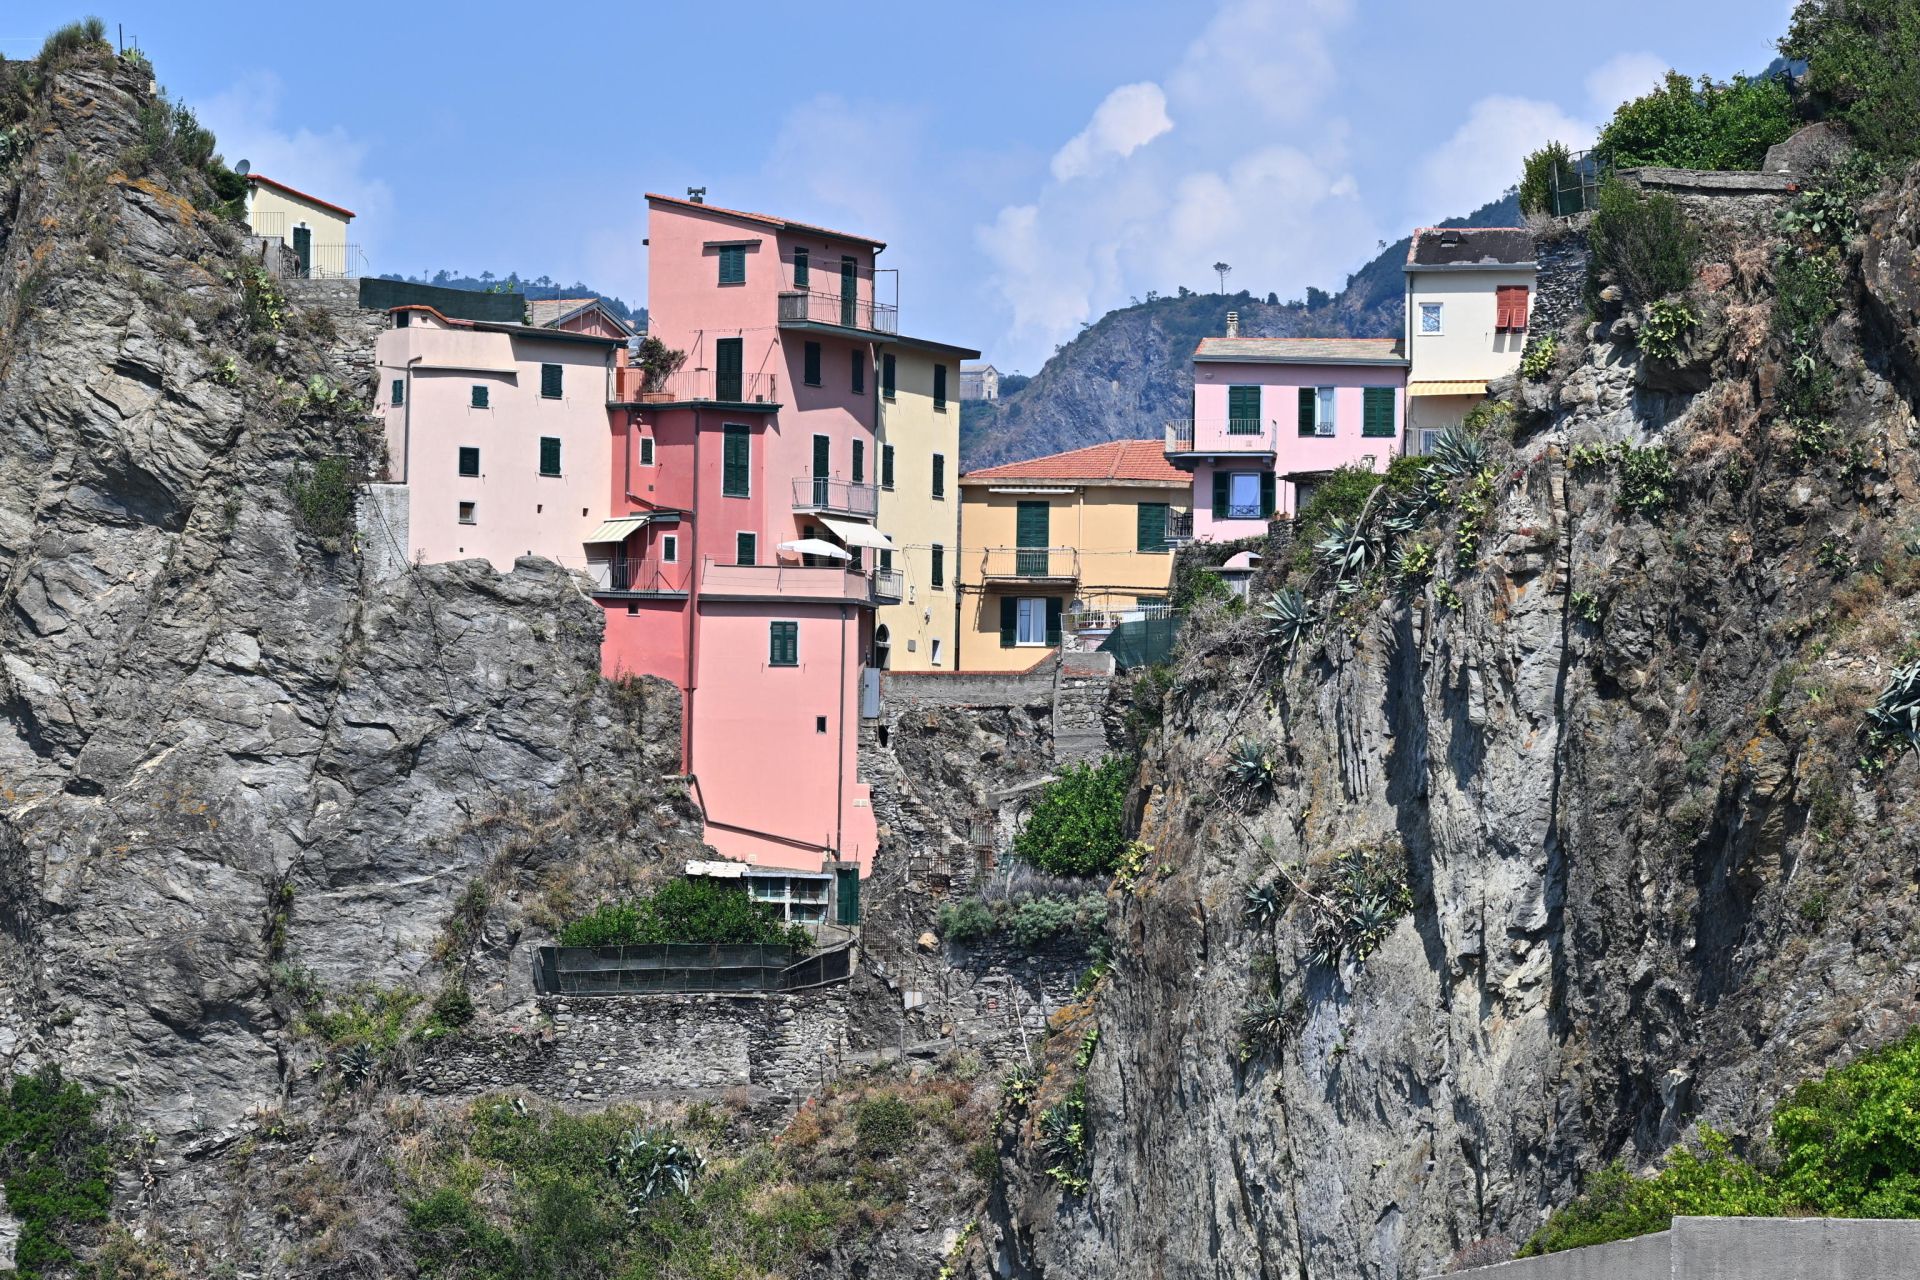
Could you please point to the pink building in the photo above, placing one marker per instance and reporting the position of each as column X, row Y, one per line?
column 498, row 434
column 740, row 559
column 1272, row 416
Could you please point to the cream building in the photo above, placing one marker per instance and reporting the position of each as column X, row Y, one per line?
column 1067, row 543
column 315, row 230
column 918, row 471
column 1469, row 300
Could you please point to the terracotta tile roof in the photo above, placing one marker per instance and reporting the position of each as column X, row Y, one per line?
column 1301, row 350
column 779, row 224
column 1139, row 461
column 294, row 191
column 1470, row 247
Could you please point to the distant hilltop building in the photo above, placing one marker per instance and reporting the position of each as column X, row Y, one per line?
column 979, row 381
column 313, row 230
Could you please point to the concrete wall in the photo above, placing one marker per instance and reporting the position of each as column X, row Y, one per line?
column 1735, row 1249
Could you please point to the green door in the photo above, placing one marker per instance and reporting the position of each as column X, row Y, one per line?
column 846, row 895
column 1032, row 537
column 728, row 363
column 303, row 249
column 822, row 462
column 849, row 291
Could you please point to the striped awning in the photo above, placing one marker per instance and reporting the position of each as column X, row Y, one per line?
column 616, row 530
column 1454, row 387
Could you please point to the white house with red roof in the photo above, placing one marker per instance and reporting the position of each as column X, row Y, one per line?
column 314, row 229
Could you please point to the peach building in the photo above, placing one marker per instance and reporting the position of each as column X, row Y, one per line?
column 1273, row 416
column 1469, row 305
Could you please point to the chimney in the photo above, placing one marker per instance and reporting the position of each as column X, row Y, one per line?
column 1233, row 324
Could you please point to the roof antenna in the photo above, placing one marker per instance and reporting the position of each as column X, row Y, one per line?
column 696, row 195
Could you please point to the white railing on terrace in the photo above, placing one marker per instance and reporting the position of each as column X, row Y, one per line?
column 823, row 493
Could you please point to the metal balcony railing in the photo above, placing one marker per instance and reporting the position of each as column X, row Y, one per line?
column 638, row 576
column 1014, row 563
column 849, row 311
column 1222, row 435
column 1179, row 527
column 886, row 586
column 628, row 384
column 840, row 497
column 832, row 582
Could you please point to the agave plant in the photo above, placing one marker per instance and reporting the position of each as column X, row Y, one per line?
column 1251, row 766
column 1263, row 904
column 1289, row 618
column 651, row 1163
column 357, row 1064
column 1457, row 455
column 1348, row 547
column 1265, row 1026
column 1894, row 719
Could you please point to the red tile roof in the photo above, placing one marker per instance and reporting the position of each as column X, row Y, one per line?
column 779, row 224
column 1138, row 461
column 292, row 191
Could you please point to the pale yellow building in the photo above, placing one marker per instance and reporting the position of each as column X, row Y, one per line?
column 1469, row 301
column 314, row 229
column 1064, row 545
column 917, row 434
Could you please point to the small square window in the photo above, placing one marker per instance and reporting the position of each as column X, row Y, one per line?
column 1430, row 317
column 670, row 548
column 469, row 460
column 550, row 381
column 479, row 400
column 819, row 724
column 401, row 319
column 632, row 608
column 646, row 451
column 466, row 513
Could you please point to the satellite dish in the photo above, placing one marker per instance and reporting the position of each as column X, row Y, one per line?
column 243, row 168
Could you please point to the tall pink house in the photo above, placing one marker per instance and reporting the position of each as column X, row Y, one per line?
column 1273, row 416
column 740, row 559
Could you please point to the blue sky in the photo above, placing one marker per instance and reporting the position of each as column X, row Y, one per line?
column 1030, row 165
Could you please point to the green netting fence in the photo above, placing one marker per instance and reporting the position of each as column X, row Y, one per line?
column 684, row 967
column 1142, row 643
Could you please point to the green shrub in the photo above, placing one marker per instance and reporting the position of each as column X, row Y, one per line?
column 1078, row 824
column 453, row 1007
column 698, row 909
column 1536, row 362
column 88, row 33
column 1341, row 496
column 1540, row 176
column 1646, row 478
column 1617, row 1205
column 1664, row 336
column 1682, row 125
column 1863, row 61
column 1644, row 243
column 967, row 921
column 55, row 1158
column 323, row 497
column 1038, row 919
column 884, row 1124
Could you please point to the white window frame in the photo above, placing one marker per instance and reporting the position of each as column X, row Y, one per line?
column 1439, row 320
column 468, row 513
column 1030, row 610
column 935, row 657
column 1234, row 508
column 670, row 548
column 1325, row 411
column 646, row 451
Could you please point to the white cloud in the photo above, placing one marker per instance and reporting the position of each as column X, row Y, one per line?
column 330, row 164
column 1485, row 154
column 1259, row 178
column 1622, row 78
column 1132, row 116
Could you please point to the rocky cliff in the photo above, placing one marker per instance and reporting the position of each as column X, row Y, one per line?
column 1544, row 855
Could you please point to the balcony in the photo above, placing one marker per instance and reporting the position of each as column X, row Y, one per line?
column 638, row 577
column 845, row 311
column 826, row 584
column 835, row 497
column 1030, row 565
column 1215, row 437
column 628, row 385
column 1179, row 528
column 887, row 586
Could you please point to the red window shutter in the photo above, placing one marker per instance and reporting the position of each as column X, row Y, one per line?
column 1511, row 306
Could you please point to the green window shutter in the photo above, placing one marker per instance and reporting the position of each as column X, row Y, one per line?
column 549, row 456
column 886, row 559
column 813, row 364
column 939, row 567
column 646, row 451
column 939, row 386
column 1053, row 620
column 800, row 268
column 1151, row 527
column 479, row 400
column 743, row 548
column 886, row 466
column 1033, row 524
column 1377, row 412
column 1243, row 411
column 733, row 264
column 734, row 462
column 1009, row 620
column 1220, row 482
column 550, row 386
column 1266, row 494
column 846, row 896
column 889, row 369
column 469, row 461
column 939, row 475
column 729, row 358
column 1309, row 397
column 783, row 644
column 859, row 372
column 399, row 392
column 859, row 461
